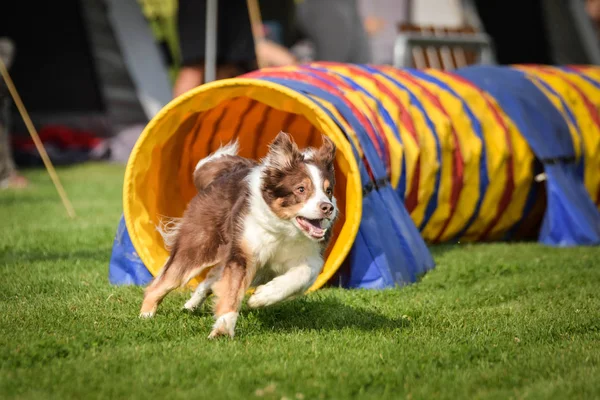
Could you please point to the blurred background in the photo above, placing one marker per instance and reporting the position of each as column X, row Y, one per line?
column 92, row 73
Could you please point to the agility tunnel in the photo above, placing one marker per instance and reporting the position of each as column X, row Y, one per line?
column 479, row 154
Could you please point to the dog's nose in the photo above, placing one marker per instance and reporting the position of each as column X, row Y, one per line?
column 326, row 207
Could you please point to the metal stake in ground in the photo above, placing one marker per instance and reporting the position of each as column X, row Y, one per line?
column 210, row 58
column 36, row 139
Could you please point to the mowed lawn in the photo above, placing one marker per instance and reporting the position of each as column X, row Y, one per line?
column 491, row 321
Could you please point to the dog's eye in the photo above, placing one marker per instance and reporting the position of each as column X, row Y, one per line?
column 328, row 191
column 301, row 189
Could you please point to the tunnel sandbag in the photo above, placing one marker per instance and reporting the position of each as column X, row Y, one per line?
column 571, row 216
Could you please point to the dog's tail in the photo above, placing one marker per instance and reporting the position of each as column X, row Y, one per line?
column 169, row 230
column 230, row 149
column 211, row 167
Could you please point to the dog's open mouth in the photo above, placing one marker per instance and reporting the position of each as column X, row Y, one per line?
column 312, row 227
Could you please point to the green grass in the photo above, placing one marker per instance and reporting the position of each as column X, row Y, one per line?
column 491, row 321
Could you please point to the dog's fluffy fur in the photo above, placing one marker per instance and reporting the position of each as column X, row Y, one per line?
column 263, row 224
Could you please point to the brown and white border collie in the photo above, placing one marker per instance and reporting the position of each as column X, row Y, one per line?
column 262, row 224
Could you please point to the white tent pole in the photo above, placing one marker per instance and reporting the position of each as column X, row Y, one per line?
column 210, row 57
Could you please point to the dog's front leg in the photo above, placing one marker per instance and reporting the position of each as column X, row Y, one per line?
column 293, row 282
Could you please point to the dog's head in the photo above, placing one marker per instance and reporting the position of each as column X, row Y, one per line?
column 298, row 185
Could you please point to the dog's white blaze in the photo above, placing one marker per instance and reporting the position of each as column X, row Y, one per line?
column 230, row 149
column 311, row 208
column 309, row 153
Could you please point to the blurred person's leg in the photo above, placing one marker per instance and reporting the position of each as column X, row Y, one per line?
column 593, row 9
column 336, row 29
column 275, row 55
column 235, row 43
column 9, row 177
column 361, row 51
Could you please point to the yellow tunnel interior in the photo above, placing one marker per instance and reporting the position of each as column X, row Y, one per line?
column 158, row 180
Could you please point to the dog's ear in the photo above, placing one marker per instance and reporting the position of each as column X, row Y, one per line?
column 283, row 152
column 327, row 152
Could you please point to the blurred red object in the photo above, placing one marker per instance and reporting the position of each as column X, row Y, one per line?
column 60, row 136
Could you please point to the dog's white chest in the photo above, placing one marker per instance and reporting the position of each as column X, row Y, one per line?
column 278, row 250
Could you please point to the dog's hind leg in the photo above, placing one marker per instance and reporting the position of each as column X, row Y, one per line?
column 204, row 289
column 175, row 273
column 168, row 280
column 230, row 290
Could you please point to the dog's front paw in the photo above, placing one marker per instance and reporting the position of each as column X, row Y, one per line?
column 264, row 295
column 224, row 326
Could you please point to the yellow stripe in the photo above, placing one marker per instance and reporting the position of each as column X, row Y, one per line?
column 523, row 159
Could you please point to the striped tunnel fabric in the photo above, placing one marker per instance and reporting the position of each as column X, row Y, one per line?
column 425, row 156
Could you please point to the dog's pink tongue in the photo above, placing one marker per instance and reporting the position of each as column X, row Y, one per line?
column 315, row 222
column 315, row 228
column 312, row 227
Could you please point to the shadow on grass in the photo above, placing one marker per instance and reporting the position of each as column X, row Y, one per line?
column 323, row 315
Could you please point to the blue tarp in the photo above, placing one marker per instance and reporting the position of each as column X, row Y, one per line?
column 125, row 266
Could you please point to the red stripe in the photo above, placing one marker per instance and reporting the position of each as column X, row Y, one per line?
column 405, row 117
column 509, row 188
column 251, row 104
column 412, row 197
column 458, row 160
column 288, row 121
column 260, row 127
